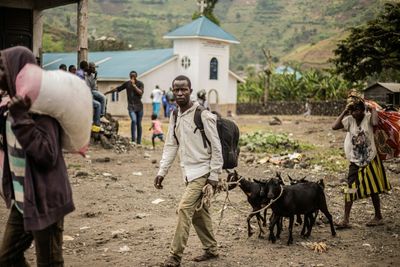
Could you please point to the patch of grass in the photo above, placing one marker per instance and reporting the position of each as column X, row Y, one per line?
column 330, row 159
column 74, row 166
column 306, row 146
column 268, row 142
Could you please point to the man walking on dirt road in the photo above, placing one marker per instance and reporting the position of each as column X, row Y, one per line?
column 200, row 168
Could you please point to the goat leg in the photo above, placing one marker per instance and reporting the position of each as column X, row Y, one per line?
column 273, row 221
column 259, row 220
column 291, row 221
column 329, row 217
column 299, row 221
column 313, row 218
column 279, row 227
column 265, row 218
column 324, row 210
column 249, row 228
column 305, row 225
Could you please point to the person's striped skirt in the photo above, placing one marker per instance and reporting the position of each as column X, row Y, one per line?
column 365, row 181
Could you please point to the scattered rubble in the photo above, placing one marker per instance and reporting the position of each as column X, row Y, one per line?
column 109, row 138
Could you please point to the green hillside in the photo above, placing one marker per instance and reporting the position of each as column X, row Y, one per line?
column 294, row 30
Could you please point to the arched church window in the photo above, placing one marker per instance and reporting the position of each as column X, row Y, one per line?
column 214, row 69
column 185, row 62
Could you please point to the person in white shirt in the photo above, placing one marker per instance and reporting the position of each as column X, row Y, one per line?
column 156, row 95
column 366, row 177
column 200, row 166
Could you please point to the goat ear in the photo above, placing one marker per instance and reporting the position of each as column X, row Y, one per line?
column 227, row 171
column 235, row 172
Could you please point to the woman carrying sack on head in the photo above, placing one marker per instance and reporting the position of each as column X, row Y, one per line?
column 366, row 177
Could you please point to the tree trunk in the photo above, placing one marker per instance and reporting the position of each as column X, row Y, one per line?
column 267, row 71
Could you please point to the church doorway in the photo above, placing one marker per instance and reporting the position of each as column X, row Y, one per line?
column 213, row 99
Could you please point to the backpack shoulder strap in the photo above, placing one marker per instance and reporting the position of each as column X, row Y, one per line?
column 175, row 114
column 199, row 125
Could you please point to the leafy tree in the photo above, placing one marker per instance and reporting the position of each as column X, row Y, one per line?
column 371, row 49
column 208, row 11
column 312, row 84
column 252, row 90
column 52, row 45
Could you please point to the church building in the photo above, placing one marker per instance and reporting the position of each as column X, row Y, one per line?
column 200, row 51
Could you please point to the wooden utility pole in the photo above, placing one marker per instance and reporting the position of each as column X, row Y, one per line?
column 83, row 6
column 268, row 72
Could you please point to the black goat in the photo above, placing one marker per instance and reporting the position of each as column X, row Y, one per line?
column 255, row 196
column 301, row 198
column 308, row 221
column 299, row 221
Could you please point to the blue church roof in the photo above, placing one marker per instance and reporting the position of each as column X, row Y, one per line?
column 201, row 27
column 113, row 64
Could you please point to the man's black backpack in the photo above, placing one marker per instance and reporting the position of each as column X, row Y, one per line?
column 228, row 133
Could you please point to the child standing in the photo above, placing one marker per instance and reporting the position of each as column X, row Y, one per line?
column 157, row 130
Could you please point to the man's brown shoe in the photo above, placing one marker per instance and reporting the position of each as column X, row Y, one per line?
column 171, row 262
column 205, row 257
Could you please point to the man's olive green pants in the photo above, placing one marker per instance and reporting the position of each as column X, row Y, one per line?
column 188, row 215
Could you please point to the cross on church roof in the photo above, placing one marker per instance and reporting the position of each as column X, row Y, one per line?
column 202, row 4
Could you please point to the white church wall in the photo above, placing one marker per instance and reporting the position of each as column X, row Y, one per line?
column 231, row 90
column 188, row 49
column 162, row 77
column 116, row 105
column 220, row 51
column 200, row 52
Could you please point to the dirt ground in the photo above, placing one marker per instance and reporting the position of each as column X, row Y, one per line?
column 116, row 224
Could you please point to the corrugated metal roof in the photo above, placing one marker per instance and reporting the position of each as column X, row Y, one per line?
column 394, row 87
column 113, row 64
column 201, row 28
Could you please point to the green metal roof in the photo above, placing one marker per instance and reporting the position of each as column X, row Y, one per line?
column 113, row 64
column 201, row 28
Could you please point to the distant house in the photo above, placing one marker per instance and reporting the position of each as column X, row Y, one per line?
column 384, row 93
column 200, row 51
column 287, row 70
